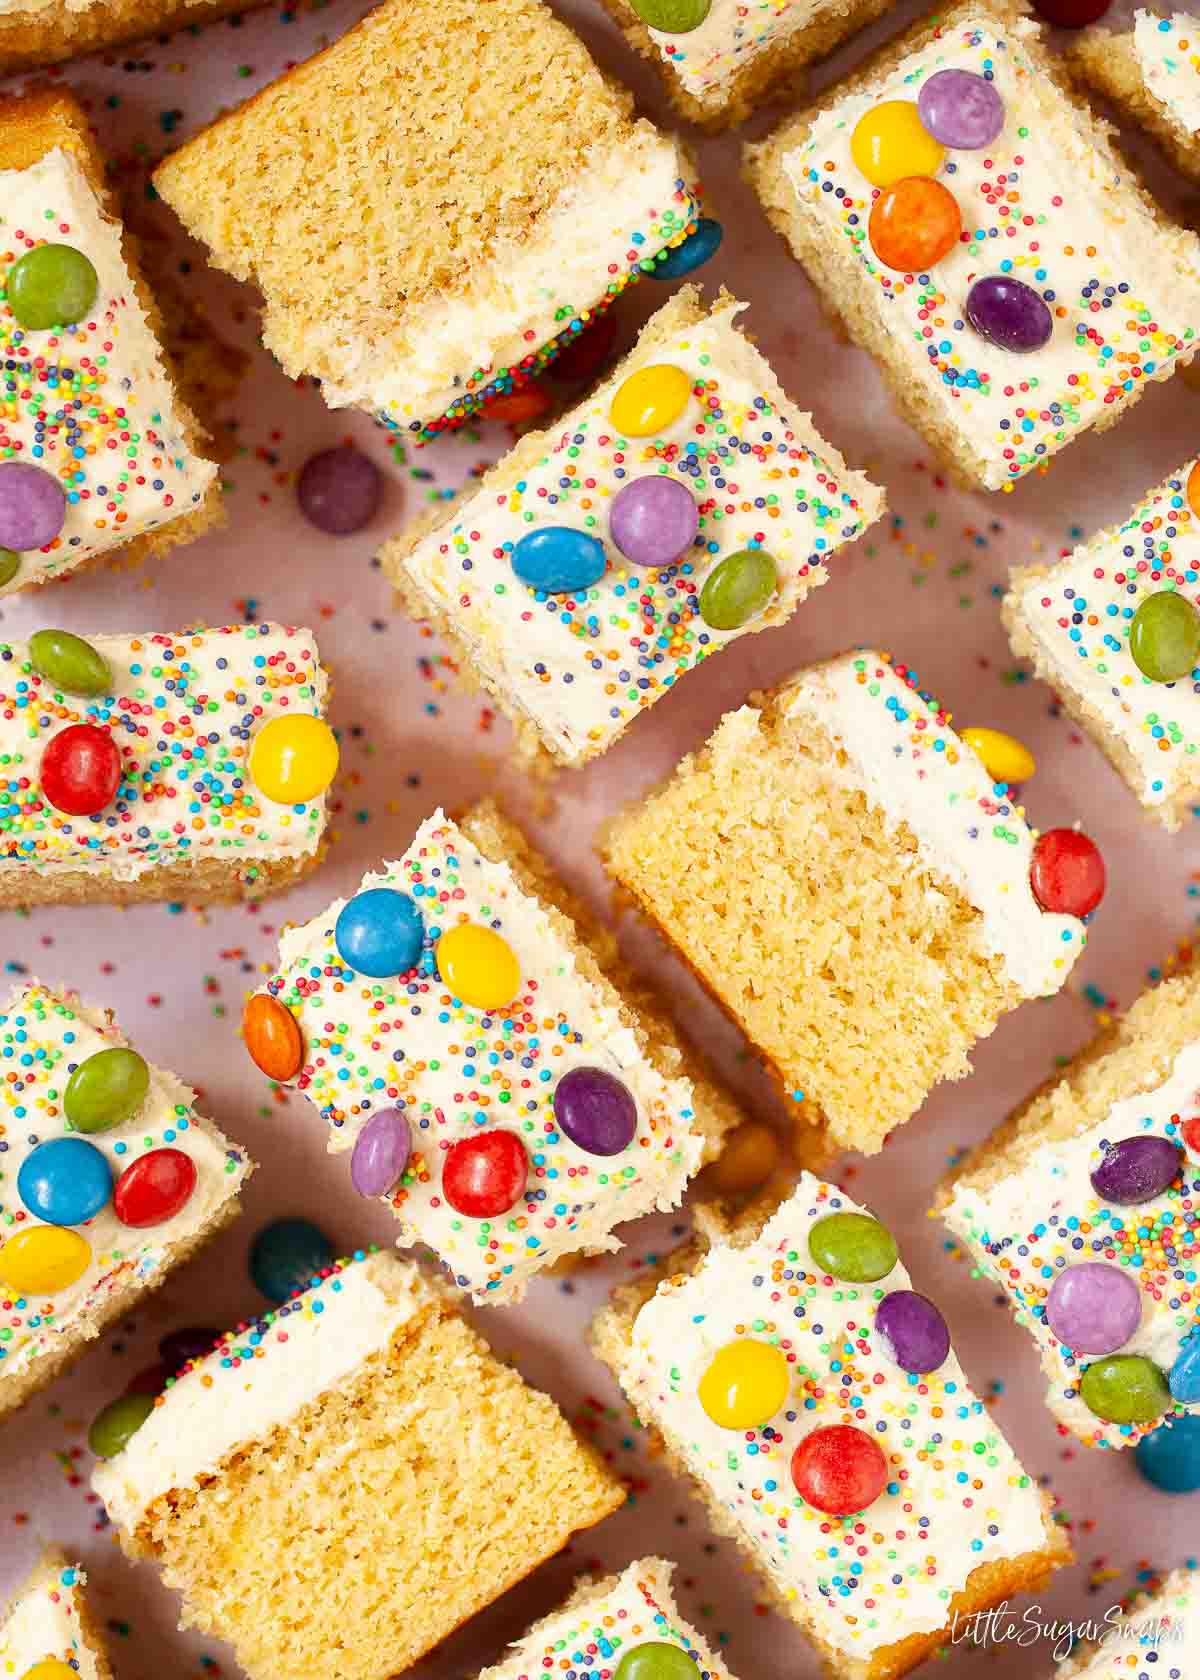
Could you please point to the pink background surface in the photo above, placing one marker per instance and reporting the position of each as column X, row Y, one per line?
column 924, row 583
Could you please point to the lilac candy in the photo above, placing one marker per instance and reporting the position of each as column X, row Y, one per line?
column 1137, row 1169
column 961, row 109
column 595, row 1110
column 654, row 520
column 1009, row 314
column 33, row 506
column 1094, row 1307
column 339, row 490
column 913, row 1331
column 381, row 1153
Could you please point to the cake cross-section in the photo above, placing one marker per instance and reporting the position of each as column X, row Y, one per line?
column 1151, row 73
column 1156, row 1637
column 48, row 1631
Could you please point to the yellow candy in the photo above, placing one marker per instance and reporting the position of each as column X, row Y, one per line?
column 745, row 1385
column 43, row 1260
column 890, row 143
column 749, row 1157
column 478, row 966
column 650, row 400
column 293, row 759
column 1004, row 758
column 52, row 1670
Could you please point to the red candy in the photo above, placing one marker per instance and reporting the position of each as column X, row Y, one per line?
column 154, row 1188
column 485, row 1174
column 529, row 403
column 586, row 352
column 1190, row 1132
column 81, row 770
column 1071, row 14
column 150, row 1381
column 839, row 1469
column 1067, row 873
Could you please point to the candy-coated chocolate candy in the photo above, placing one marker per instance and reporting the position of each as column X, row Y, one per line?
column 515, row 408
column 339, row 490
column 673, row 17
column 1164, row 637
column 890, row 141
column 582, row 357
column 43, row 1260
column 478, row 965
column 1067, row 872
column 1184, row 1377
column 748, row 1158
column 839, row 1469
column 293, row 759
column 657, row 1659
column 1193, row 490
column 961, row 109
column 81, row 770
column 69, row 663
column 914, row 224
column 65, row 1181
column 558, row 560
column 913, row 1331
column 653, row 520
column 484, row 1175
column 272, row 1036
column 738, row 588
column 51, row 286
column 1125, row 1388
column 1094, row 1307
column 51, row 1669
column 33, row 506
column 179, row 1347
column 378, row 933
column 106, row 1089
column 286, row 1255
column 10, row 564
column 1190, row 1132
column 1169, row 1457
column 1071, row 14
column 1009, row 314
column 154, row 1188
column 692, row 253
column 381, row 1152
column 1004, row 758
column 1137, row 1169
column 151, row 1381
column 746, row 1383
column 852, row 1247
column 595, row 1110
column 650, row 400
column 114, row 1427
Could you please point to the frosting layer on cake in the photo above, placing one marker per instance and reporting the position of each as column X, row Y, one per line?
column 1168, row 54
column 43, row 1625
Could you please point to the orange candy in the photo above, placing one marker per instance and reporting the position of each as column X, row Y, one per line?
column 914, row 224
column 1193, row 490
column 272, row 1036
column 515, row 407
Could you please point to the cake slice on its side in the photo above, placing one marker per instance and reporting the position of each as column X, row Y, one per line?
column 1151, row 74
column 1156, row 1637
column 48, row 1622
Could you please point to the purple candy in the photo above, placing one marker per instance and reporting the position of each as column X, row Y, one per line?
column 1136, row 1170
column 595, row 1111
column 1009, row 314
column 176, row 1349
column 913, row 1331
column 1094, row 1307
column 33, row 506
column 654, row 520
column 381, row 1153
column 961, row 109
column 339, row 490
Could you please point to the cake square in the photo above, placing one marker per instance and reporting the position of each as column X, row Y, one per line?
column 48, row 31
column 1157, row 1637
column 110, row 1180
column 841, row 871
column 158, row 765
column 48, row 1622
column 1080, row 621
column 794, row 1376
column 1082, row 1209
column 1151, row 73
column 362, row 1462
column 1014, row 281
column 504, row 1128
column 427, row 251
column 722, row 479
column 103, row 455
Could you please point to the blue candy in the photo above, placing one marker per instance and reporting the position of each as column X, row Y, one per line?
column 286, row 1255
column 65, row 1181
column 378, row 933
column 1169, row 1456
column 1184, row 1380
column 559, row 560
column 696, row 249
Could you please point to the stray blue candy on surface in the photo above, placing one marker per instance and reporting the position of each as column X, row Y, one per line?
column 286, row 1255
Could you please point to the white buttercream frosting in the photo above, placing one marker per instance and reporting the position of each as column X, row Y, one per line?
column 1157, row 1638
column 42, row 1625
column 1168, row 53
column 734, row 34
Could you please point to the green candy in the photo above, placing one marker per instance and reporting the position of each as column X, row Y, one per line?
column 738, row 589
column 10, row 562
column 69, row 663
column 853, row 1247
column 51, row 286
column 656, row 1661
column 673, row 17
column 1125, row 1388
column 109, row 1087
column 114, row 1427
column 1164, row 638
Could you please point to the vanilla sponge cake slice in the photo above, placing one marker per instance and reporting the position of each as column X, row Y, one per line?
column 814, row 1401
column 1084, row 1209
column 1157, row 1637
column 1151, row 73
column 103, row 456
column 110, row 1179
column 482, row 194
column 471, row 1039
column 685, row 503
column 36, row 32
column 47, row 1632
column 841, row 871
column 339, row 1485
